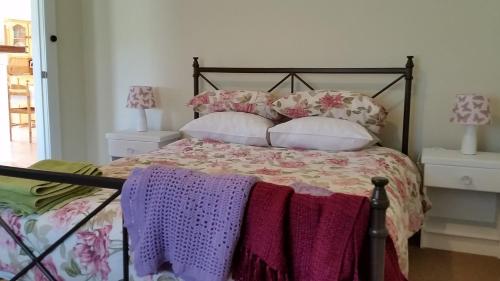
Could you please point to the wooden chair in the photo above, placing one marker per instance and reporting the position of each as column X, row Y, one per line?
column 19, row 70
column 29, row 109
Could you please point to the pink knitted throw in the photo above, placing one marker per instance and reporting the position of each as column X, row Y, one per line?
column 184, row 219
column 287, row 236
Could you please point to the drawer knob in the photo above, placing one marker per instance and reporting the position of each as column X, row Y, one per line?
column 466, row 180
column 130, row 151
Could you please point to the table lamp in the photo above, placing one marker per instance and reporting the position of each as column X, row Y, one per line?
column 471, row 110
column 141, row 98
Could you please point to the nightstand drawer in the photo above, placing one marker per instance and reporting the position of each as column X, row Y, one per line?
column 480, row 179
column 123, row 148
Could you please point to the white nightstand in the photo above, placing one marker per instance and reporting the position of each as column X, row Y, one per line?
column 464, row 191
column 127, row 143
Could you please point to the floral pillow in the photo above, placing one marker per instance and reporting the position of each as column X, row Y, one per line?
column 256, row 102
column 354, row 107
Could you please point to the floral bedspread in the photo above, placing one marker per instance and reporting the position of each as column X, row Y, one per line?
column 95, row 251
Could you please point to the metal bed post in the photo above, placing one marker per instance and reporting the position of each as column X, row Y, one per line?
column 125, row 252
column 378, row 231
column 407, row 104
column 196, row 81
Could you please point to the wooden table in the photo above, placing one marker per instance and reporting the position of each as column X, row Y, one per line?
column 12, row 49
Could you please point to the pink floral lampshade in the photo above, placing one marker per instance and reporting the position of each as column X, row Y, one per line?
column 471, row 109
column 141, row 97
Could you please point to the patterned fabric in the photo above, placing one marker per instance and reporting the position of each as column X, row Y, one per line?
column 186, row 218
column 141, row 97
column 241, row 101
column 347, row 172
column 337, row 104
column 95, row 252
column 304, row 188
column 471, row 110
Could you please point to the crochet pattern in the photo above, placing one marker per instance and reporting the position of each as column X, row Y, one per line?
column 184, row 218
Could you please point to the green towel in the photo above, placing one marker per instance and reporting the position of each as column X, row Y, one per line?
column 36, row 187
column 28, row 204
column 26, row 196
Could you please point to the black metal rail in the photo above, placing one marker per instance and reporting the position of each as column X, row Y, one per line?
column 94, row 181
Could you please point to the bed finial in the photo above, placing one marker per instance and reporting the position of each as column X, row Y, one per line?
column 196, row 73
column 196, row 82
column 379, row 198
column 378, row 232
column 409, row 62
column 196, row 69
column 195, row 62
column 379, row 193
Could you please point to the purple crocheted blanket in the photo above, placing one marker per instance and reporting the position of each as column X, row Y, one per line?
column 184, row 219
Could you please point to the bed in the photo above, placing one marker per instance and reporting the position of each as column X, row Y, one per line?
column 84, row 239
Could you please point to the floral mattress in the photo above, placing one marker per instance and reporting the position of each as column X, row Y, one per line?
column 95, row 251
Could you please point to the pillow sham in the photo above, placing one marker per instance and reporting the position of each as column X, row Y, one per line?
column 355, row 107
column 234, row 127
column 255, row 102
column 321, row 133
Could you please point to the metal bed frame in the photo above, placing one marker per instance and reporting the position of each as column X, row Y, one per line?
column 378, row 204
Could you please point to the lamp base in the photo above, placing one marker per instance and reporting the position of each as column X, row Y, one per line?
column 469, row 141
column 142, row 121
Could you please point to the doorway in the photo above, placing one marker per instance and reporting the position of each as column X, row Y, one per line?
column 27, row 130
column 18, row 136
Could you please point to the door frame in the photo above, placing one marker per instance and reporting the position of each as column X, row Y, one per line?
column 45, row 73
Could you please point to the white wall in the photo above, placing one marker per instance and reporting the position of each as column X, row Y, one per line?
column 71, row 79
column 127, row 42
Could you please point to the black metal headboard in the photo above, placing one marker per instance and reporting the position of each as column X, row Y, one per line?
column 292, row 73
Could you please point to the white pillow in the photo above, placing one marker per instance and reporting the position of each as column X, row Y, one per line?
column 321, row 133
column 234, row 127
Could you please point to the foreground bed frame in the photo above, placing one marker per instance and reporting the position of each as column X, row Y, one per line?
column 379, row 201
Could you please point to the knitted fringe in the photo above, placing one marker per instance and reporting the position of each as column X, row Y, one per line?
column 250, row 267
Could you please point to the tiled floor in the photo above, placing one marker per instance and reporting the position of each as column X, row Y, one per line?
column 19, row 152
